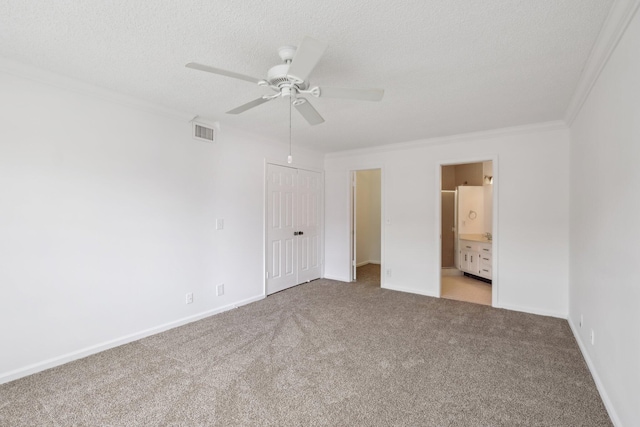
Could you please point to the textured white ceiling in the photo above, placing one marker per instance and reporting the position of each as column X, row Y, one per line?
column 447, row 66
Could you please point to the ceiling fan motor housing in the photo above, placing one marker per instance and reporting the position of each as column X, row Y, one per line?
column 277, row 76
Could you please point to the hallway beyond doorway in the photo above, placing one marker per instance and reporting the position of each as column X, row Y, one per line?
column 368, row 275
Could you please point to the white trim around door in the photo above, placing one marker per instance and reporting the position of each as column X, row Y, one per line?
column 352, row 223
column 495, row 289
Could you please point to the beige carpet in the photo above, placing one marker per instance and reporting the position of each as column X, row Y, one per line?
column 326, row 354
column 368, row 275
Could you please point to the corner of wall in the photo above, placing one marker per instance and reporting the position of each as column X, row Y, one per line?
column 608, row 404
column 617, row 21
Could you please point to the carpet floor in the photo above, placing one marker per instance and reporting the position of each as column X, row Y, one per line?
column 326, row 353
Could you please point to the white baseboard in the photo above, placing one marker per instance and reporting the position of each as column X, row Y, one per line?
column 411, row 291
column 533, row 310
column 339, row 279
column 360, row 264
column 596, row 378
column 88, row 351
column 450, row 272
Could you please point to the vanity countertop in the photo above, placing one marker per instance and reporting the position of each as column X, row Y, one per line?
column 474, row 238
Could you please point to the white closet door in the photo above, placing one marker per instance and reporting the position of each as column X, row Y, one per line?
column 282, row 251
column 293, row 227
column 308, row 224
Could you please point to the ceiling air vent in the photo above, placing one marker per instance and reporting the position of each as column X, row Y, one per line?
column 203, row 133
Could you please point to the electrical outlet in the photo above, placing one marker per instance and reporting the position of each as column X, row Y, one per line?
column 581, row 320
column 388, row 272
column 189, row 298
column 593, row 338
column 220, row 224
column 220, row 289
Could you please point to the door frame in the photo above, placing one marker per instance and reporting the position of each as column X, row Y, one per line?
column 494, row 242
column 351, row 207
column 265, row 219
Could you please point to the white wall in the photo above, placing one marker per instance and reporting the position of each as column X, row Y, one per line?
column 605, row 231
column 487, row 170
column 368, row 217
column 107, row 220
column 471, row 210
column 531, row 242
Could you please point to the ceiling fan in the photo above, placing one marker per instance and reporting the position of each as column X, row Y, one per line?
column 291, row 79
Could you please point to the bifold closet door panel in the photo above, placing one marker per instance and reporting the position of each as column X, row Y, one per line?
column 282, row 250
column 308, row 222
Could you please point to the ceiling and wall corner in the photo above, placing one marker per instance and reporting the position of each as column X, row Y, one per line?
column 497, row 63
column 43, row 76
column 612, row 30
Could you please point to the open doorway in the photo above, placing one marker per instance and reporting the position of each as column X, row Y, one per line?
column 366, row 226
column 466, row 222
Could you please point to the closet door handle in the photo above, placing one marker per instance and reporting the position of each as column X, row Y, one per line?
column 300, row 233
column 295, row 233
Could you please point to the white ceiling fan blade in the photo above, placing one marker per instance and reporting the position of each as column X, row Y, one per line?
column 307, row 56
column 359, row 94
column 308, row 112
column 213, row 70
column 248, row 105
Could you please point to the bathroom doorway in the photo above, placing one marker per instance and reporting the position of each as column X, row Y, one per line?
column 466, row 230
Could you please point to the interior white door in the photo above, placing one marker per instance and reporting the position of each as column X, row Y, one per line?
column 293, row 227
column 309, row 194
column 281, row 222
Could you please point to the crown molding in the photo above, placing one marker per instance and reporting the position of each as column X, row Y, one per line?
column 39, row 75
column 620, row 15
column 452, row 139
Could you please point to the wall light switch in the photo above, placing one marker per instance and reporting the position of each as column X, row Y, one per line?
column 219, row 224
